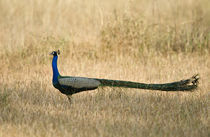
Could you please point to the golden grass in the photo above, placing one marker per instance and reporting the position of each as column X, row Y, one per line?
column 146, row 41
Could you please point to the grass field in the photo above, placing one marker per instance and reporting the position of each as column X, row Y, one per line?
column 137, row 40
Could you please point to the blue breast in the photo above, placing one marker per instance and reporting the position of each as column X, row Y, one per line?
column 55, row 70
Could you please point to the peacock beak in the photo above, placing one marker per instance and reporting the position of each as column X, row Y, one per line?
column 51, row 53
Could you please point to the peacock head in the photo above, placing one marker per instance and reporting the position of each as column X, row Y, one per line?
column 55, row 53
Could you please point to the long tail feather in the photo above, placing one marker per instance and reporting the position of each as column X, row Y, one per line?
column 188, row 84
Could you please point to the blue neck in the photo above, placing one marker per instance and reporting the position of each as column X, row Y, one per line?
column 55, row 70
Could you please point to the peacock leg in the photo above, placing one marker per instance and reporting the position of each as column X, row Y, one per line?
column 69, row 98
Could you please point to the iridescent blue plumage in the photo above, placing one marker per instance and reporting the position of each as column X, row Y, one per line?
column 55, row 70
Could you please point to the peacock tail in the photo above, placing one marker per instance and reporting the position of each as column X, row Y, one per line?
column 174, row 86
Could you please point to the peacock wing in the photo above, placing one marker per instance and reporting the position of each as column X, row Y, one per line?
column 79, row 82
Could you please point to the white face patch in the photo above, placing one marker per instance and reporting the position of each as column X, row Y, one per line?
column 79, row 82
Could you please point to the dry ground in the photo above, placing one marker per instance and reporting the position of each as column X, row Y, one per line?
column 136, row 40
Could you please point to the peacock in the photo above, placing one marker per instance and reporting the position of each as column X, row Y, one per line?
column 69, row 85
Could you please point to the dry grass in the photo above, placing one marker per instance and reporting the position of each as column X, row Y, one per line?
column 146, row 41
